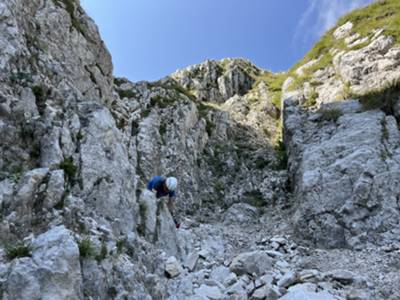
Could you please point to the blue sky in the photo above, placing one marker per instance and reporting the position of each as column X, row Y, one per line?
column 150, row 39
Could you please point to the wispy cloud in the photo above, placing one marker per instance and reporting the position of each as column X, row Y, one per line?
column 322, row 15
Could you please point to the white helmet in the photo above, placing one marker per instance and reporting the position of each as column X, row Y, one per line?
column 171, row 183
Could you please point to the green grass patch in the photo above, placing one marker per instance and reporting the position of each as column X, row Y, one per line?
column 210, row 126
column 385, row 131
column 18, row 250
column 126, row 94
column 163, row 128
column 319, row 52
column 330, row 114
column 281, row 156
column 16, row 173
column 39, row 93
column 119, row 81
column 181, row 90
column 219, row 187
column 86, row 248
column 59, row 205
column 274, row 83
column 311, row 100
column 346, row 94
column 69, row 168
column 121, row 244
column 145, row 113
column 124, row 247
column 174, row 86
column 383, row 14
column 254, row 198
column 203, row 108
column 261, row 163
column 162, row 102
column 69, row 6
column 325, row 60
column 103, row 252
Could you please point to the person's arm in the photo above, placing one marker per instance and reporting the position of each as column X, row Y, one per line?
column 172, row 195
column 171, row 208
column 150, row 184
column 170, row 204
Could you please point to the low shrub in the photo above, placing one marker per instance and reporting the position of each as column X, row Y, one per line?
column 18, row 250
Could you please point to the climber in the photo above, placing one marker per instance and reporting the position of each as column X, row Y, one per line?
column 165, row 187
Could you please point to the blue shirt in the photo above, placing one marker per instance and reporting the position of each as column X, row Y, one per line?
column 157, row 183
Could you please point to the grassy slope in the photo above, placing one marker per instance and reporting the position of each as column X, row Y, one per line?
column 274, row 83
column 384, row 14
column 380, row 15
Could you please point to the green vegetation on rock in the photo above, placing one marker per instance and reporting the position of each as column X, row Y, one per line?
column 162, row 102
column 254, row 198
column 70, row 8
column 383, row 14
column 312, row 99
column 203, row 108
column 118, row 81
column 281, row 156
column 330, row 114
column 86, row 248
column 18, row 250
column 125, row 93
column 274, row 83
column 163, row 128
column 103, row 252
column 69, row 168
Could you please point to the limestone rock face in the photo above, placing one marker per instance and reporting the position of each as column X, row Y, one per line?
column 363, row 64
column 341, row 132
column 107, row 173
column 46, row 64
column 369, row 74
column 52, row 271
column 343, row 31
column 213, row 81
column 345, row 174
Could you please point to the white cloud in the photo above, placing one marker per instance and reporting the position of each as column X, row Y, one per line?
column 322, row 15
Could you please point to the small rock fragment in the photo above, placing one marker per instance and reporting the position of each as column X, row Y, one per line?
column 288, row 279
column 172, row 267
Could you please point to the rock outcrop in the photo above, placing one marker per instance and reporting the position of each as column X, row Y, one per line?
column 345, row 172
column 341, row 131
column 52, row 272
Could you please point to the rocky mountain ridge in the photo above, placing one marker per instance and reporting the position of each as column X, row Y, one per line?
column 310, row 214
